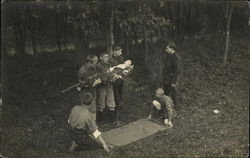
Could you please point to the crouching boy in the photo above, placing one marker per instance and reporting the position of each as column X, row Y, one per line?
column 164, row 105
column 84, row 130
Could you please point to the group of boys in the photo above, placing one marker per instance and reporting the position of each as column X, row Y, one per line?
column 98, row 93
column 107, row 94
column 102, row 94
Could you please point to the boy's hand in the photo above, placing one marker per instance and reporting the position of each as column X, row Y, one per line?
column 97, row 81
column 105, row 147
column 149, row 117
column 170, row 124
column 78, row 88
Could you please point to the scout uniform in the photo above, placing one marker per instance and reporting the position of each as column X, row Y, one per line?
column 83, row 75
column 118, row 84
column 164, row 106
column 172, row 71
column 83, row 126
column 105, row 94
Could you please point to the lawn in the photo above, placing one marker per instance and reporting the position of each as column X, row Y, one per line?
column 34, row 114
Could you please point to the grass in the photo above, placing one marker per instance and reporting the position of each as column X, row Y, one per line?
column 34, row 116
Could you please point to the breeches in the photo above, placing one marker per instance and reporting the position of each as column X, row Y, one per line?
column 105, row 97
column 82, row 138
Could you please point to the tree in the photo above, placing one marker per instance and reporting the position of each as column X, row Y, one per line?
column 229, row 12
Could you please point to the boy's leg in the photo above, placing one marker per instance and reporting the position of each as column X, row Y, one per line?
column 116, row 93
column 168, row 114
column 110, row 102
column 173, row 93
column 76, row 136
column 118, row 90
column 81, row 140
column 100, row 102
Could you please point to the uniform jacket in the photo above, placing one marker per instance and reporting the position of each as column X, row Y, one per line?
column 86, row 71
column 81, row 118
column 172, row 69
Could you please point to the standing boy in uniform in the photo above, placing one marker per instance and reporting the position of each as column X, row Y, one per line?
column 171, row 72
column 104, row 90
column 87, row 70
column 117, row 59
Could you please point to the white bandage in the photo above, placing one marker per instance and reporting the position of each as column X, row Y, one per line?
column 97, row 133
column 166, row 121
column 157, row 105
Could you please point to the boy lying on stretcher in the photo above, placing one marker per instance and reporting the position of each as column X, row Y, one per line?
column 114, row 73
column 163, row 105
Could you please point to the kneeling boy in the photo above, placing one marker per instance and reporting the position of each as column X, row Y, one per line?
column 164, row 104
column 84, row 130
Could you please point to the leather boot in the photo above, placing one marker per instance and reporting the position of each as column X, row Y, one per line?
column 99, row 116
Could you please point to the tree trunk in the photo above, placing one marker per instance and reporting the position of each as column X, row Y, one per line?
column 171, row 18
column 64, row 30
column 78, row 42
column 24, row 30
column 178, row 23
column 146, row 47
column 20, row 34
column 127, row 46
column 16, row 33
column 32, row 28
column 229, row 12
column 110, row 42
column 248, row 24
column 188, row 17
column 58, row 37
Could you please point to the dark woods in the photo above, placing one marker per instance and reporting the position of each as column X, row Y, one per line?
column 38, row 31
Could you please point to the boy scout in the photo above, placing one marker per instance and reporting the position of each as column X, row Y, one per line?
column 172, row 71
column 163, row 104
column 87, row 70
column 84, row 130
column 104, row 90
column 118, row 84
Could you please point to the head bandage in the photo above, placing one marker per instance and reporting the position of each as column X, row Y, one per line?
column 128, row 62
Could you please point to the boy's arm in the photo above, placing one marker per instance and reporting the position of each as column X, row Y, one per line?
column 104, row 145
column 96, row 133
column 152, row 112
column 170, row 112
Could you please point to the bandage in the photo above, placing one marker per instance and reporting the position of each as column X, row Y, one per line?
column 166, row 121
column 157, row 105
column 97, row 133
column 128, row 62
